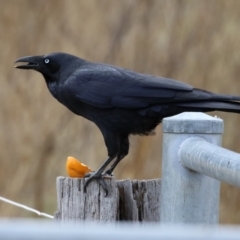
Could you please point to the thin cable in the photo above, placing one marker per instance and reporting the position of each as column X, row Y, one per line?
column 26, row 207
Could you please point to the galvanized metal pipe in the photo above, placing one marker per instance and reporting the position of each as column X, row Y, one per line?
column 30, row 229
column 211, row 160
column 188, row 196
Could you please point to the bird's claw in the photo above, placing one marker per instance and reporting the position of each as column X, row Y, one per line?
column 99, row 177
column 108, row 173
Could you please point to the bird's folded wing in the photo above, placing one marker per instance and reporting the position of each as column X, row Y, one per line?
column 116, row 87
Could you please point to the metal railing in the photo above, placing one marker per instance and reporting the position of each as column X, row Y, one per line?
column 193, row 166
column 39, row 230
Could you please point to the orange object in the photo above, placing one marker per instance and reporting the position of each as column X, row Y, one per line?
column 75, row 168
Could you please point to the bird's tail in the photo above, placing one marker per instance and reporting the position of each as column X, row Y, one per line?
column 201, row 100
column 208, row 106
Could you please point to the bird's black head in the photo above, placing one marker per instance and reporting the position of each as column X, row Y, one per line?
column 55, row 68
column 44, row 64
column 50, row 65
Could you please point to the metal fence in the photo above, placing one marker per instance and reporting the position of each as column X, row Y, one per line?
column 193, row 166
column 47, row 230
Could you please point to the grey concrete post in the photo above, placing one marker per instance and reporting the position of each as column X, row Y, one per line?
column 188, row 196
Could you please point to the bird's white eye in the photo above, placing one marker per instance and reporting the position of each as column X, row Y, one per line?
column 46, row 60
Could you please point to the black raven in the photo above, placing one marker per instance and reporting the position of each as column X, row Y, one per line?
column 120, row 101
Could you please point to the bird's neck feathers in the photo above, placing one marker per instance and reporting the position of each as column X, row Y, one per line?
column 52, row 84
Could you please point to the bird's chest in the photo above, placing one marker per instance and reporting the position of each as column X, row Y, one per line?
column 58, row 92
column 71, row 102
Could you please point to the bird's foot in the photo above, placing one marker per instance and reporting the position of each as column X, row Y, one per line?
column 99, row 177
column 108, row 173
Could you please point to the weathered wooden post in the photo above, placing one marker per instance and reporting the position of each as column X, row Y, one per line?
column 74, row 204
column 127, row 200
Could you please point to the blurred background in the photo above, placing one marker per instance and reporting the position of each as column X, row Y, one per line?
column 197, row 42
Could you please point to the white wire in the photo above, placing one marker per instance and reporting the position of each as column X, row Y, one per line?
column 25, row 207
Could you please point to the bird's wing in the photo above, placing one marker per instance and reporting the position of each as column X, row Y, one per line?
column 107, row 87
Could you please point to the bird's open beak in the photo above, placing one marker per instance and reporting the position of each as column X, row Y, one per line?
column 32, row 62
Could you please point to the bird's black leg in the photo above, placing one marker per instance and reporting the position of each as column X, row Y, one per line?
column 124, row 147
column 98, row 176
column 112, row 143
column 110, row 170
